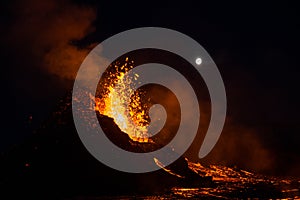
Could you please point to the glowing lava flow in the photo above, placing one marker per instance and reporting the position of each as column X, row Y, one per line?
column 131, row 120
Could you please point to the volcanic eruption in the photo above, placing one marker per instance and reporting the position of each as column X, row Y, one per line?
column 54, row 162
column 44, row 44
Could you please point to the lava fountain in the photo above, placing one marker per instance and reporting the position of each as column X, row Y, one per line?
column 133, row 119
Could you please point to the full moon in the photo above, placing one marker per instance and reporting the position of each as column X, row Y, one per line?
column 198, row 61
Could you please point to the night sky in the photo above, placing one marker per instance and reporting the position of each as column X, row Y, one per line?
column 255, row 46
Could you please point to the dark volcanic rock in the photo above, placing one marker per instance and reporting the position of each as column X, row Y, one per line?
column 53, row 163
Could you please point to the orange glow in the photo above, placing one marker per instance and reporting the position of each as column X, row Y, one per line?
column 130, row 119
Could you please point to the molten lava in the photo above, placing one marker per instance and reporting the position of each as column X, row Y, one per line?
column 121, row 103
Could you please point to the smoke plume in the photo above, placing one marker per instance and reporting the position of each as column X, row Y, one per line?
column 47, row 30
